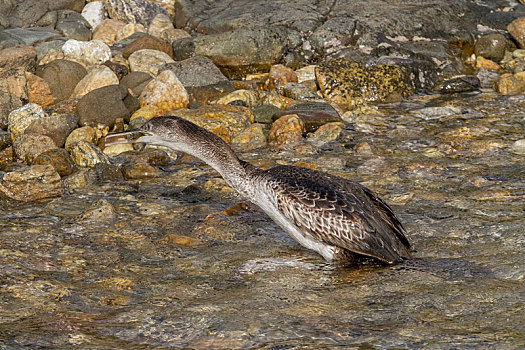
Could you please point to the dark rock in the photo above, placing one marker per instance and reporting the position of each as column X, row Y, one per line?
column 28, row 146
column 57, row 127
column 136, row 81
column 118, row 47
column 108, row 172
column 183, row 49
column 29, row 36
column 31, row 183
column 21, row 56
column 134, row 11
column 58, row 158
column 201, row 78
column 147, row 42
column 119, row 69
column 464, row 83
column 73, row 25
column 101, row 212
column 26, row 13
column 492, row 46
column 104, row 106
column 266, row 114
column 62, row 76
column 313, row 114
column 5, row 140
column 240, row 103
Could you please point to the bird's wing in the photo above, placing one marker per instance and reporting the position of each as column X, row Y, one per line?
column 339, row 212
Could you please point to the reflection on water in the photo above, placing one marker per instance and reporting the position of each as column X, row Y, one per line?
column 173, row 268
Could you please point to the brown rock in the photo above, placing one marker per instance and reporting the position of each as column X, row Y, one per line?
column 482, row 62
column 510, row 85
column 140, row 171
column 107, row 30
column 29, row 146
column 58, row 158
column 147, row 112
column 62, row 77
column 119, row 69
column 22, row 56
column 517, row 29
column 57, row 127
column 147, row 42
column 165, row 92
column 288, row 129
column 31, row 183
column 38, row 90
column 279, row 76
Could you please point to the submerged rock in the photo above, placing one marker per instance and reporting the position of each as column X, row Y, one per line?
column 313, row 114
column 31, row 183
column 253, row 98
column 102, row 211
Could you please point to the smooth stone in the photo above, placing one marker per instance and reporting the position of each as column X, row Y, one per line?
column 57, row 127
column 73, row 25
column 517, row 29
column 464, row 83
column 313, row 114
column 108, row 172
column 87, row 155
column 107, row 30
column 173, row 34
column 136, row 81
column 147, row 42
column 22, row 56
column 280, row 75
column 94, row 12
column 58, row 158
column 115, row 150
column 492, row 46
column 62, row 76
column 165, row 92
column 31, row 183
column 129, row 30
column 140, row 171
column 250, row 138
column 88, row 52
column 159, row 24
column 266, row 114
column 148, row 61
column 85, row 133
column 299, row 92
column 27, row 147
column 38, row 90
column 326, row 133
column 21, row 118
column 147, row 112
column 287, row 130
column 105, row 105
column 102, row 211
column 253, row 98
column 518, row 147
column 98, row 76
column 31, row 36
column 134, row 11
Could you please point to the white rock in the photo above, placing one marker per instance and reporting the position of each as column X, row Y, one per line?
column 20, row 118
column 94, row 12
column 87, row 52
column 99, row 76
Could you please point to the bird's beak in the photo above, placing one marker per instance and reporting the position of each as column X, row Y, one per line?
column 130, row 136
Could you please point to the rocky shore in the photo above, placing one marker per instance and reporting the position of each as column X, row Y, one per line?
column 284, row 75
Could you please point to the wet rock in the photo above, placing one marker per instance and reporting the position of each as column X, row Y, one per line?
column 251, row 138
column 429, row 113
column 326, row 133
column 5, row 140
column 517, row 29
column 87, row 52
column 57, row 127
column 136, row 81
column 253, row 98
column 492, row 46
column 486, row 63
column 202, row 79
column 94, row 13
column 487, row 77
column 21, row 118
column 165, row 92
column 159, row 24
column 107, row 30
column 313, row 114
column 287, row 130
column 280, row 75
column 463, row 83
column 102, row 211
column 147, row 42
column 299, row 92
column 244, row 50
column 350, row 84
column 58, row 158
column 98, row 76
column 363, row 149
column 511, row 84
column 147, row 112
column 27, row 147
column 149, row 156
column 108, row 172
column 518, row 147
column 21, row 56
column 79, row 179
column 223, row 120
column 140, row 171
column 87, row 155
column 265, row 114
column 73, row 25
column 104, row 106
column 134, row 11
column 115, row 150
column 38, row 91
column 148, row 61
column 85, row 133
column 62, row 76
column 31, row 183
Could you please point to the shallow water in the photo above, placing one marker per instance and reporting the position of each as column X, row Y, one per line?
column 172, row 269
